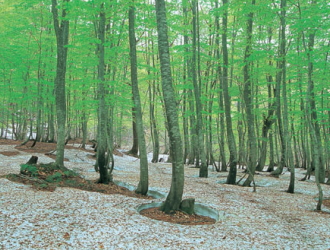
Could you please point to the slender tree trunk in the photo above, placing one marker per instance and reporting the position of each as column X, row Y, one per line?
column 203, row 169
column 102, row 133
column 153, row 125
column 185, row 127
column 313, row 108
column 248, row 101
column 193, row 133
column 135, row 147
column 84, row 129
column 269, row 120
column 231, row 178
column 186, row 71
column 152, row 95
column 143, row 183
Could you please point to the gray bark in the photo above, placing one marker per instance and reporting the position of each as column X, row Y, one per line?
column 143, row 183
column 102, row 133
column 62, row 37
column 248, row 97
column 203, row 169
column 231, row 179
column 174, row 198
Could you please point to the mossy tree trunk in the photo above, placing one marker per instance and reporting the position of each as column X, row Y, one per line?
column 174, row 197
column 143, row 183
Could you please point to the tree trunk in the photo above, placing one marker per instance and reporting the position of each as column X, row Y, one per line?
column 152, row 95
column 269, row 120
column 62, row 36
column 135, row 147
column 248, row 101
column 174, row 198
column 231, row 178
column 153, row 125
column 102, row 133
column 143, row 183
column 203, row 169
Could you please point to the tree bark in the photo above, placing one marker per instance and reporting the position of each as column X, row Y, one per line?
column 248, row 101
column 62, row 38
column 135, row 147
column 143, row 183
column 174, row 198
column 231, row 178
column 203, row 169
column 102, row 133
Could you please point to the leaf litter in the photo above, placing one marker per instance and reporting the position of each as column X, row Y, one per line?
column 69, row 218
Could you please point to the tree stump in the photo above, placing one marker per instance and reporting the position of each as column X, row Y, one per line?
column 33, row 160
column 188, row 206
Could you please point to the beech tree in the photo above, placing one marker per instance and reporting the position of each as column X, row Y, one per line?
column 231, row 179
column 61, row 27
column 174, row 198
column 143, row 184
column 248, row 100
column 104, row 149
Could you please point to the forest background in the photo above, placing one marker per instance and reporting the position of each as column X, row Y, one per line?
column 251, row 79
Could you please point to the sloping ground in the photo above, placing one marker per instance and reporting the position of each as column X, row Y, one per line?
column 74, row 219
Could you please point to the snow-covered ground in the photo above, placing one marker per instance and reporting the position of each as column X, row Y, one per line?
column 75, row 219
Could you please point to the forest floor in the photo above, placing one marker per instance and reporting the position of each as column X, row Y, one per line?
column 96, row 216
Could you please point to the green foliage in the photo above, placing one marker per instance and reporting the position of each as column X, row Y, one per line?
column 56, row 177
column 70, row 173
column 29, row 170
column 28, row 59
column 43, row 186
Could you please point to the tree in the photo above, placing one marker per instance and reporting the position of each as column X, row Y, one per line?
column 143, row 184
column 61, row 27
column 248, row 101
column 203, row 169
column 174, row 198
column 312, row 121
column 231, row 179
column 104, row 149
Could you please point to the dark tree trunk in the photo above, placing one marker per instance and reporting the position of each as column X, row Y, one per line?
column 102, row 161
column 61, row 27
column 231, row 178
column 135, row 147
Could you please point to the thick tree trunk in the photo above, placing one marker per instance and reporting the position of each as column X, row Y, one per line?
column 62, row 37
column 174, row 198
